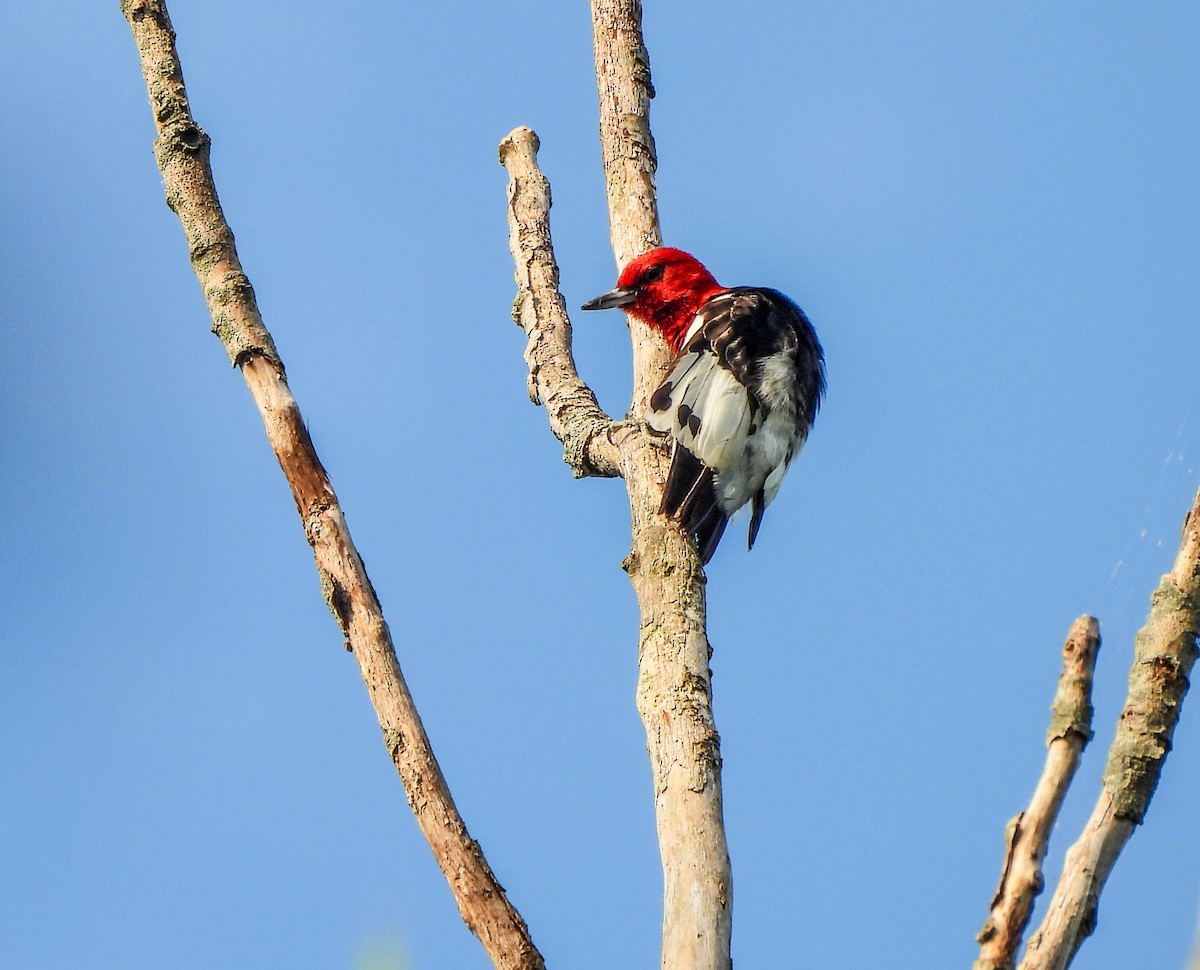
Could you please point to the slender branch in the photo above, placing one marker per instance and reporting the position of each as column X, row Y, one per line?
column 1027, row 835
column 630, row 161
column 575, row 418
column 182, row 151
column 1164, row 653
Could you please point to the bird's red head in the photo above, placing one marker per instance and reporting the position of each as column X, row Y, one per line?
column 663, row 288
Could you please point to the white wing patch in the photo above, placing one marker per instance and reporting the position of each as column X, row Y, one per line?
column 708, row 411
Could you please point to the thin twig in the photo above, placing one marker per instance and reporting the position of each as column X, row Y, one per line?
column 1164, row 653
column 182, row 151
column 1021, row 879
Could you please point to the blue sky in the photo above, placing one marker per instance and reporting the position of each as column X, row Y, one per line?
column 991, row 213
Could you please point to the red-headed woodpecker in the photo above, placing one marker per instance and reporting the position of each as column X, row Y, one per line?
column 742, row 393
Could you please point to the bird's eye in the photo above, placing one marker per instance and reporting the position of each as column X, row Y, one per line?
column 653, row 274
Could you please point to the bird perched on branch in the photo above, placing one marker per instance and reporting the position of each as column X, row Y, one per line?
column 742, row 393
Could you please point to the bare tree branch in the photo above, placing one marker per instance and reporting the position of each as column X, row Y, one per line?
column 1028, row 834
column 1164, row 653
column 630, row 161
column 674, row 680
column 673, row 691
column 575, row 418
column 673, row 701
column 182, row 151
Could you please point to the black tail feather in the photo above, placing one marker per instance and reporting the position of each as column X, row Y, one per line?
column 708, row 531
column 685, row 474
column 690, row 496
column 759, row 506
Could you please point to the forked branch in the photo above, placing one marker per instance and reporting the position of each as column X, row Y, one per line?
column 1164, row 653
column 182, row 151
column 674, row 694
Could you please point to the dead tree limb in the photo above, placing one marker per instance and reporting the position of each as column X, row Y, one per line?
column 1028, row 834
column 674, row 680
column 674, row 694
column 673, row 687
column 630, row 162
column 586, row 432
column 182, row 152
column 1164, row 653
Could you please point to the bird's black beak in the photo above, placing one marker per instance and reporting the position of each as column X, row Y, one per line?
column 621, row 296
